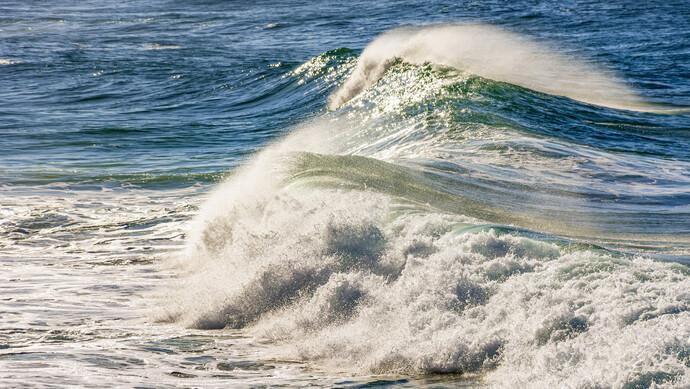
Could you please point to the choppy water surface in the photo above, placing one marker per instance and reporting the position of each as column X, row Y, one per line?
column 400, row 194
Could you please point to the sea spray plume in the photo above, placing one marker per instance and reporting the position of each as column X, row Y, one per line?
column 493, row 53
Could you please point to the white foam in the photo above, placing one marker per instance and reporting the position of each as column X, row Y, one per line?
column 336, row 277
column 7, row 61
column 159, row 46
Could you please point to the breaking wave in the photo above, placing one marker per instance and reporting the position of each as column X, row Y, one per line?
column 434, row 224
column 492, row 53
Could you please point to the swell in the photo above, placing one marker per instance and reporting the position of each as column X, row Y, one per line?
column 153, row 150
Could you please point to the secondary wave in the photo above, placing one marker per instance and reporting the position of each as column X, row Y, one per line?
column 493, row 53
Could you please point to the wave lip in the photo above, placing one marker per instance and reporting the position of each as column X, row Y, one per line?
column 494, row 53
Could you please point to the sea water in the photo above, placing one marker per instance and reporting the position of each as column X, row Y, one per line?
column 223, row 194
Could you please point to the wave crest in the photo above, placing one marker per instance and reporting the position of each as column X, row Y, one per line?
column 493, row 53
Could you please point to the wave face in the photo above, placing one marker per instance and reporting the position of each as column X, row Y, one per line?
column 434, row 223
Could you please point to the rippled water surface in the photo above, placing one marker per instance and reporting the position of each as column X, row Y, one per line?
column 397, row 193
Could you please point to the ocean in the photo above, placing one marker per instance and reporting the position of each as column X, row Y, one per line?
column 344, row 194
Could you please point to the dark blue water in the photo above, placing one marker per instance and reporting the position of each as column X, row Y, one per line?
column 505, row 204
column 157, row 91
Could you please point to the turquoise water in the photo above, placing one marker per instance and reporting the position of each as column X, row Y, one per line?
column 437, row 194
